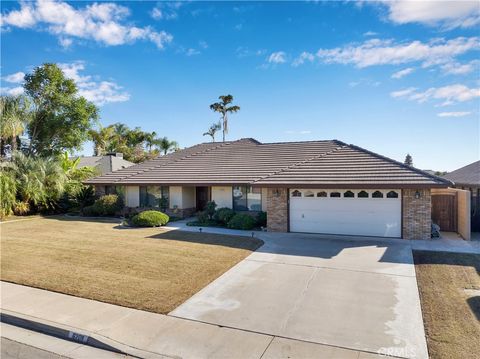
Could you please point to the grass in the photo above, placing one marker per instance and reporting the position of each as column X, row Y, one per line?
column 151, row 269
column 450, row 305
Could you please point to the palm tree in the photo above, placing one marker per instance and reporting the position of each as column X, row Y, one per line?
column 151, row 140
column 165, row 145
column 213, row 130
column 223, row 108
column 14, row 116
column 102, row 139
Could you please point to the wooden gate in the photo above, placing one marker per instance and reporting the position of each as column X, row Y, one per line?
column 444, row 211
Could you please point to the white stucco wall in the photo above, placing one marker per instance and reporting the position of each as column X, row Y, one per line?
column 132, row 196
column 222, row 195
column 176, row 196
column 188, row 197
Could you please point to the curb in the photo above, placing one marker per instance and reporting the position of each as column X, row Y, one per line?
column 75, row 335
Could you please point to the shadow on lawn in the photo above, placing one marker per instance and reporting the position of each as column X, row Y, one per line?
column 209, row 238
column 448, row 258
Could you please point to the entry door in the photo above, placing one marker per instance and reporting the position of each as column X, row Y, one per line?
column 364, row 213
column 444, row 212
column 202, row 197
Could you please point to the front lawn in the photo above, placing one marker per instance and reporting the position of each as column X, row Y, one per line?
column 152, row 269
column 449, row 285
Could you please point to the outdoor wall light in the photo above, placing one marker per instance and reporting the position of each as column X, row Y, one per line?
column 417, row 195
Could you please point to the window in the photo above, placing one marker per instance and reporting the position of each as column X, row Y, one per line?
column 309, row 194
column 362, row 194
column 377, row 194
column 246, row 198
column 349, row 194
column 296, row 193
column 392, row 194
column 154, row 196
column 322, row 194
column 335, row 194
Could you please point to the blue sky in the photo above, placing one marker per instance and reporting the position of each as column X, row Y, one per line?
column 393, row 77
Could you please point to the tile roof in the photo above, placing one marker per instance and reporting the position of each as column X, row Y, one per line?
column 468, row 175
column 247, row 161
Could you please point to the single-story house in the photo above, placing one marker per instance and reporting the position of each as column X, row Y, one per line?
column 468, row 178
column 313, row 187
column 107, row 163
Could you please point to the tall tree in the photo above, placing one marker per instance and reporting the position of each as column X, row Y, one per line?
column 165, row 145
column 224, row 109
column 151, row 140
column 212, row 130
column 14, row 117
column 61, row 119
column 408, row 160
column 101, row 139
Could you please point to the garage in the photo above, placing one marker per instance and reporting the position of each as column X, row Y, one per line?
column 350, row 212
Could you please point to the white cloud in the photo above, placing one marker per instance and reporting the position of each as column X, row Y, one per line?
column 12, row 91
column 381, row 52
column 455, row 68
column 166, row 10
column 65, row 42
column 304, row 57
column 192, row 52
column 99, row 92
column 370, row 33
column 450, row 94
column 448, row 14
column 15, row 78
column 277, row 57
column 101, row 22
column 454, row 114
column 402, row 73
column 242, row 51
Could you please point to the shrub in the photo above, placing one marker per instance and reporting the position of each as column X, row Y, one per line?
column 8, row 190
column 84, row 197
column 150, row 219
column 202, row 217
column 21, row 208
column 210, row 209
column 90, row 211
column 108, row 205
column 262, row 219
column 224, row 215
column 241, row 221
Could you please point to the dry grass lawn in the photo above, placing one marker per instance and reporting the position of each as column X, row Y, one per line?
column 152, row 269
column 449, row 285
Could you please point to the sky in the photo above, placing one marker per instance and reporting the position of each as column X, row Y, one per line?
column 393, row 77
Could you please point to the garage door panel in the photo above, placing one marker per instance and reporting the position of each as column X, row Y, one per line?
column 352, row 216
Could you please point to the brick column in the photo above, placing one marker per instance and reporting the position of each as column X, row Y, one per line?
column 417, row 214
column 277, row 209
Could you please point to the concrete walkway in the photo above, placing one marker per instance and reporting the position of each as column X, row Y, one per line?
column 150, row 335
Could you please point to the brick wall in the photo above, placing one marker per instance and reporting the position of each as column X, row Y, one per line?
column 417, row 214
column 277, row 210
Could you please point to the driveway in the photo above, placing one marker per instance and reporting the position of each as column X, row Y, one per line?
column 347, row 292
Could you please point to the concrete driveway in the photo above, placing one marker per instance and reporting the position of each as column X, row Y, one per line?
column 353, row 293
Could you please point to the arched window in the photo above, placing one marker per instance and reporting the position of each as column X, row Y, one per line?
column 335, row 194
column 309, row 194
column 392, row 194
column 322, row 194
column 377, row 194
column 362, row 194
column 349, row 194
column 296, row 193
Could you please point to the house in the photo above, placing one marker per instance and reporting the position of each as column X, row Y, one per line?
column 107, row 163
column 468, row 178
column 315, row 186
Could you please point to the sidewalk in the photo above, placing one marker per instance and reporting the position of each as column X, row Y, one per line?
column 149, row 335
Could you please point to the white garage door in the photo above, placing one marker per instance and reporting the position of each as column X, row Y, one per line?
column 351, row 212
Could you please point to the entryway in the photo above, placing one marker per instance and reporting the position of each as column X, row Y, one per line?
column 202, row 197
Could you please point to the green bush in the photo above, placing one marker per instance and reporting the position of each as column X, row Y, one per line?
column 241, row 221
column 150, row 219
column 210, row 209
column 107, row 205
column 262, row 219
column 202, row 217
column 224, row 215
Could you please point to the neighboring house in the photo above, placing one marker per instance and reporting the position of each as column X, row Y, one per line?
column 316, row 186
column 109, row 163
column 468, row 178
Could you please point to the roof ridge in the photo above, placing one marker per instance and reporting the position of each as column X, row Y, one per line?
column 302, row 162
column 282, row 142
column 411, row 168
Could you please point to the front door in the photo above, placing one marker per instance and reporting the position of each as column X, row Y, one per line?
column 202, row 197
column 444, row 212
